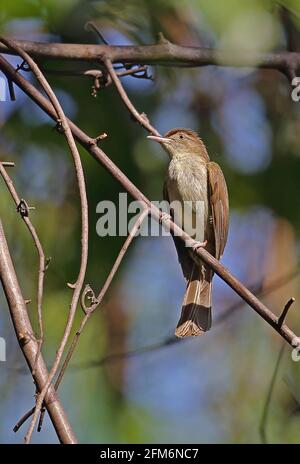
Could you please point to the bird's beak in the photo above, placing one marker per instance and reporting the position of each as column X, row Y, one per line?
column 159, row 139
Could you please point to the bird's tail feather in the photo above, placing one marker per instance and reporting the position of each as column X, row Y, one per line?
column 196, row 308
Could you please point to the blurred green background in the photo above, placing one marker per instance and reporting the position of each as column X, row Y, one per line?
column 207, row 390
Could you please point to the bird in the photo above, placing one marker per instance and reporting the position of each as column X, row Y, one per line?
column 197, row 187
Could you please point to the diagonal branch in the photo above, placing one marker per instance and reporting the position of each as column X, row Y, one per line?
column 28, row 343
column 104, row 160
column 95, row 303
column 61, row 120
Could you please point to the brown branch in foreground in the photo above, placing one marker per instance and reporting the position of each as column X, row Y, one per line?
column 162, row 53
column 28, row 343
column 42, row 261
column 87, row 142
column 266, row 408
column 95, row 303
column 140, row 117
column 62, row 120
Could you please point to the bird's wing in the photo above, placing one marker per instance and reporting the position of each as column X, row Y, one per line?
column 219, row 206
column 184, row 258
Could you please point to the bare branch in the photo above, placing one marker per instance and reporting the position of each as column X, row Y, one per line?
column 41, row 273
column 28, row 343
column 169, row 340
column 90, row 25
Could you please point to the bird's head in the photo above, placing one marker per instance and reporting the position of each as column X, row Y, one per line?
column 181, row 142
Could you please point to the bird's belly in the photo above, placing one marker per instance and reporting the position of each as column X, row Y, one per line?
column 188, row 195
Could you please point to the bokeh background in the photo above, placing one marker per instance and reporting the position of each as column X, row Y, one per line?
column 207, row 390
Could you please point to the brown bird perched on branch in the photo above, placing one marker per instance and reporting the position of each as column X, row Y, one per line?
column 197, row 188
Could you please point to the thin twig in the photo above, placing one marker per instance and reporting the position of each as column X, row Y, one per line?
column 140, row 117
column 283, row 315
column 171, row 340
column 163, row 53
column 61, row 119
column 133, row 71
column 28, row 343
column 41, row 272
column 266, row 408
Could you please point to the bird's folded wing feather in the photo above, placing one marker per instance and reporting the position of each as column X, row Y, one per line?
column 219, row 206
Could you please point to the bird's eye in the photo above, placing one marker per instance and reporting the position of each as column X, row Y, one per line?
column 181, row 136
